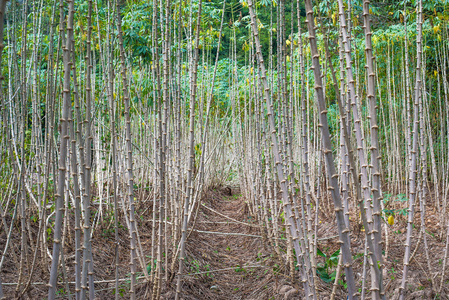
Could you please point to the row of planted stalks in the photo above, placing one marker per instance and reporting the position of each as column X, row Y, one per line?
column 84, row 140
column 302, row 162
column 81, row 155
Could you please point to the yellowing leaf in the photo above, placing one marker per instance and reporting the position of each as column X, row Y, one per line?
column 259, row 24
column 288, row 58
column 391, row 220
column 334, row 18
column 375, row 39
column 436, row 29
column 287, row 42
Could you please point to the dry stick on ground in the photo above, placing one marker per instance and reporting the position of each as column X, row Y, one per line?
column 413, row 166
column 234, row 220
column 62, row 160
column 343, row 230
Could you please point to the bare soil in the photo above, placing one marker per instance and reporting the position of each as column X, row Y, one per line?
column 230, row 260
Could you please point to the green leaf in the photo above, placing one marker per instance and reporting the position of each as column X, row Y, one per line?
column 320, row 253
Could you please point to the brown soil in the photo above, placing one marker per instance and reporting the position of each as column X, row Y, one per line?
column 240, row 265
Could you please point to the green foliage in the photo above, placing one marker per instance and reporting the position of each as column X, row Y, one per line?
column 239, row 268
column 152, row 265
column 137, row 28
column 400, row 198
column 392, row 273
column 122, row 290
column 326, row 270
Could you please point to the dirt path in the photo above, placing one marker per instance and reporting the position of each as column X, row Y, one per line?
column 234, row 256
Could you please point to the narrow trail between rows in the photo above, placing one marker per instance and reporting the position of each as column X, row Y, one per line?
column 226, row 258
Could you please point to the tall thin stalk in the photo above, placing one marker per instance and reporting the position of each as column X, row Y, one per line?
column 343, row 230
column 191, row 161
column 66, row 109
column 414, row 153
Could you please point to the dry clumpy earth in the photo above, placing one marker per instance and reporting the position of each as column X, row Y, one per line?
column 228, row 259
